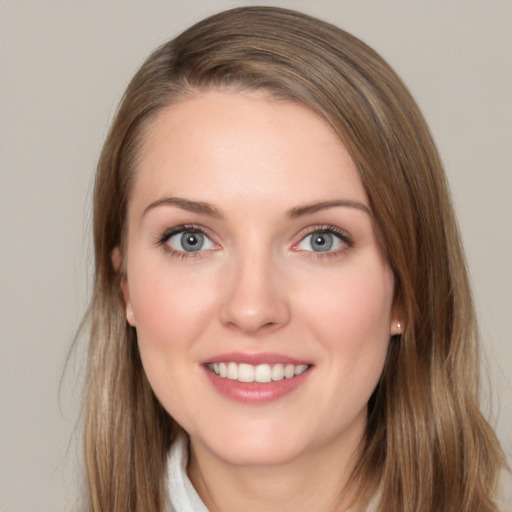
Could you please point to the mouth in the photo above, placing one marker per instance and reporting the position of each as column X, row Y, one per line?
column 256, row 378
column 261, row 373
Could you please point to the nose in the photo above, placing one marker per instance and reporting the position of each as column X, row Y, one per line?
column 255, row 299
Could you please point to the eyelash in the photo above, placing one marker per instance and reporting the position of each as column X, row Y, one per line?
column 345, row 238
column 168, row 233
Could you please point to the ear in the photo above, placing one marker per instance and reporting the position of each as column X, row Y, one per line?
column 117, row 263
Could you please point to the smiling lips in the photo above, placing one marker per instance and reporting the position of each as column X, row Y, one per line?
column 262, row 373
column 256, row 379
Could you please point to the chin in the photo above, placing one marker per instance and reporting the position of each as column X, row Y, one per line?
column 256, row 446
column 252, row 454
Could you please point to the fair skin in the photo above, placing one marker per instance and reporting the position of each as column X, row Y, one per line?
column 250, row 241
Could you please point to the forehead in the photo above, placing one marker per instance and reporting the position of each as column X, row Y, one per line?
column 233, row 145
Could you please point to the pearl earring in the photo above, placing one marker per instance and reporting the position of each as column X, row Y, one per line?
column 397, row 331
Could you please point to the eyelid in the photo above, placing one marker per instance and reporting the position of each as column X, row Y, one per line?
column 162, row 239
column 343, row 235
column 340, row 233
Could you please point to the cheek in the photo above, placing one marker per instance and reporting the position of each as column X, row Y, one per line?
column 170, row 309
column 351, row 316
column 351, row 319
column 353, row 304
column 169, row 303
column 173, row 307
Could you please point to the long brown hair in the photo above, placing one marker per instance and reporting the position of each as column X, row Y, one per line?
column 427, row 446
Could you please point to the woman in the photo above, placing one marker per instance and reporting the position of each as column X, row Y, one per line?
column 281, row 315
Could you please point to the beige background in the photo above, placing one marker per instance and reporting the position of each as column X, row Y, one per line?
column 63, row 68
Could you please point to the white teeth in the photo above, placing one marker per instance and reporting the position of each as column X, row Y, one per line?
column 278, row 372
column 289, row 371
column 300, row 368
column 245, row 373
column 232, row 371
column 262, row 373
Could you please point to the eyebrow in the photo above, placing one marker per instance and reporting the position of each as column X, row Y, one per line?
column 309, row 209
column 204, row 208
column 186, row 204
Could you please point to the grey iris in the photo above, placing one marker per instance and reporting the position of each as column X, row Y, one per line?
column 192, row 242
column 321, row 242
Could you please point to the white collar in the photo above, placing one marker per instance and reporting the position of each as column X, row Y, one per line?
column 181, row 493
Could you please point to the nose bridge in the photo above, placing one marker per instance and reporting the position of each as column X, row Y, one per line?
column 254, row 297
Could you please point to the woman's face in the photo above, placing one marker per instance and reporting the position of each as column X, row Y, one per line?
column 262, row 305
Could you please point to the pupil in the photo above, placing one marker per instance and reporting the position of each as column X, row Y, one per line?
column 191, row 241
column 322, row 242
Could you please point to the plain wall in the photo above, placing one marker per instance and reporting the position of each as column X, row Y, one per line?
column 63, row 68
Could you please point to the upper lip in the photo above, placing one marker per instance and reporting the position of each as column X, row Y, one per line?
column 254, row 358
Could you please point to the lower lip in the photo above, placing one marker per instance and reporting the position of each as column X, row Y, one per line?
column 255, row 392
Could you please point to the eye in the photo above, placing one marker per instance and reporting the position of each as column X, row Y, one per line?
column 323, row 240
column 188, row 240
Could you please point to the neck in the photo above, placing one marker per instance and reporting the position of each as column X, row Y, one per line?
column 314, row 481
